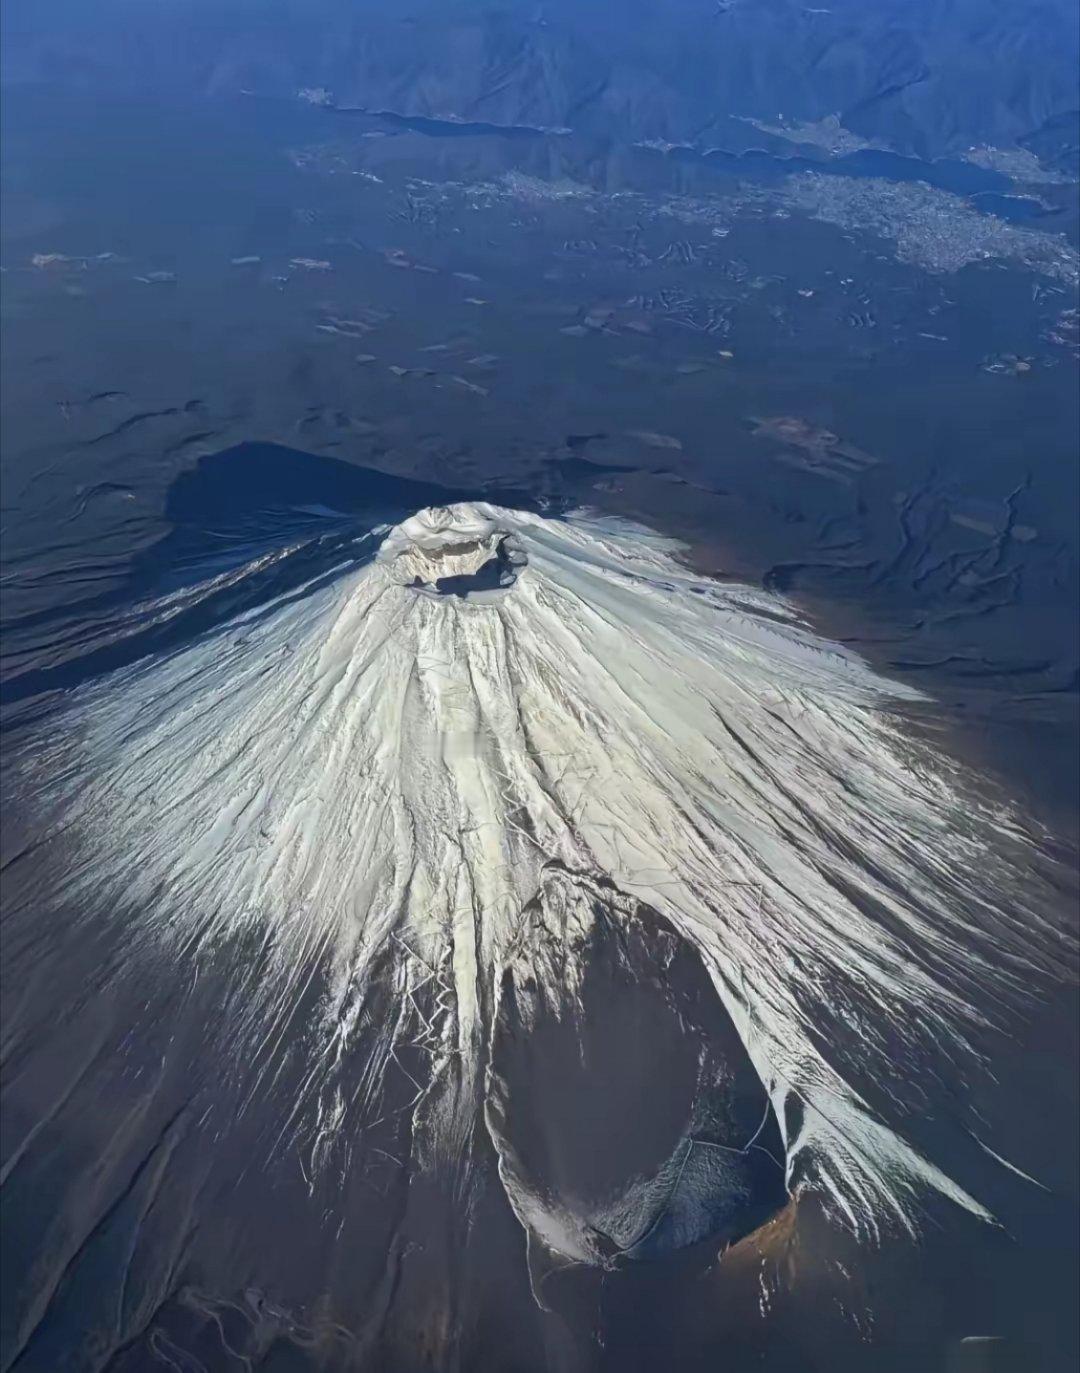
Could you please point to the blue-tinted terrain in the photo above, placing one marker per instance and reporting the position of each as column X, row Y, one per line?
column 795, row 286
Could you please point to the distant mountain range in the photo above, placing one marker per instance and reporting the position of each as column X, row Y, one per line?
column 931, row 78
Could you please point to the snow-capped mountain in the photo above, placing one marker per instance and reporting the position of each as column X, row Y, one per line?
column 449, row 773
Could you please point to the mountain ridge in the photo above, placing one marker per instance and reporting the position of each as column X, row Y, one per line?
column 929, row 80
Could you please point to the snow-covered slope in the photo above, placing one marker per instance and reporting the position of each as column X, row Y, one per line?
column 394, row 781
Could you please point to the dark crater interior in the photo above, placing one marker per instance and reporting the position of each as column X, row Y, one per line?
column 499, row 572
